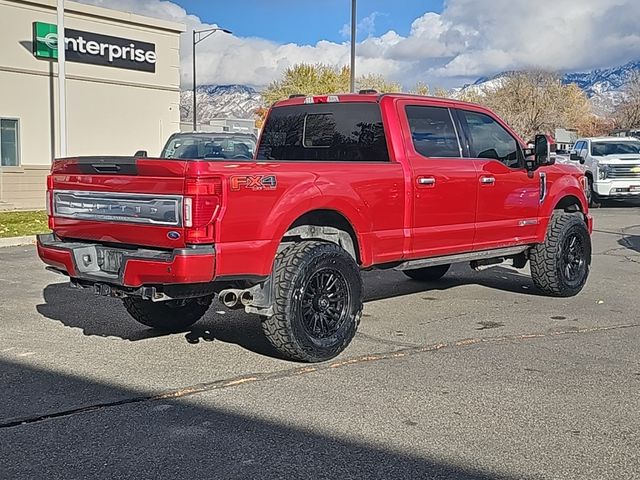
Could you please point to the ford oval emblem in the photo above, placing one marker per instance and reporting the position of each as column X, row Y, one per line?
column 173, row 235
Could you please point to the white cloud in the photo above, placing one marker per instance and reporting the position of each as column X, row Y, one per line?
column 467, row 40
column 366, row 27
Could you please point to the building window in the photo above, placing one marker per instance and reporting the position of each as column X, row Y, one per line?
column 9, row 143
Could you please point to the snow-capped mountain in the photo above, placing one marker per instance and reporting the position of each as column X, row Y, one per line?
column 220, row 101
column 605, row 80
column 604, row 87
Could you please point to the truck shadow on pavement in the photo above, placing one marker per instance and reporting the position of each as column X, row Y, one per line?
column 106, row 317
column 58, row 425
column 380, row 285
column 632, row 242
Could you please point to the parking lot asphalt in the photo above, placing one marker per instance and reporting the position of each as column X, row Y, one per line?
column 476, row 376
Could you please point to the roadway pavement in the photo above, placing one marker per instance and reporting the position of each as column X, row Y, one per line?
column 477, row 376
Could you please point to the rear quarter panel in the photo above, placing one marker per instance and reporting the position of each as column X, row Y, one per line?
column 253, row 220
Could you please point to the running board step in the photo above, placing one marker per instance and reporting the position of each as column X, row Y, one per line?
column 462, row 257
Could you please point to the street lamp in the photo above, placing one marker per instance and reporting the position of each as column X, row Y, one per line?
column 197, row 38
column 353, row 46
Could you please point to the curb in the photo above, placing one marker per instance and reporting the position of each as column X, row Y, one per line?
column 17, row 241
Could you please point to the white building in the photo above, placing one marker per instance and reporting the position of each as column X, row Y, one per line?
column 122, row 88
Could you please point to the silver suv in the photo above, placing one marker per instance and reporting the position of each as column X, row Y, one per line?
column 611, row 165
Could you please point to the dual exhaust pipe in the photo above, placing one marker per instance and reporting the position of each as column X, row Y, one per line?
column 235, row 298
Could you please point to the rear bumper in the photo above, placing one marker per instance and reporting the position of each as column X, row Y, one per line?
column 137, row 267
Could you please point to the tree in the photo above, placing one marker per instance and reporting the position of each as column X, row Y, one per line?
column 421, row 88
column 319, row 79
column 594, row 126
column 533, row 102
column 627, row 114
column 260, row 114
column 377, row 82
column 307, row 79
column 442, row 92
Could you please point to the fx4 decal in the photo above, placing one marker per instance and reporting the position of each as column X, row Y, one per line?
column 253, row 182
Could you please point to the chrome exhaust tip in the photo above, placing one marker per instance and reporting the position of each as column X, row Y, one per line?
column 229, row 298
column 246, row 297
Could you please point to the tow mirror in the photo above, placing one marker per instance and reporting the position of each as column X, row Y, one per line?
column 544, row 147
column 140, row 154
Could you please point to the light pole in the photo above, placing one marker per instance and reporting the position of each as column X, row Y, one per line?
column 197, row 38
column 353, row 46
column 62, row 79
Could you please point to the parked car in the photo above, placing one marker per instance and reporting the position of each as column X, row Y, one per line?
column 201, row 145
column 611, row 165
column 339, row 184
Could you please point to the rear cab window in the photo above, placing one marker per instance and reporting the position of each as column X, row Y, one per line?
column 324, row 132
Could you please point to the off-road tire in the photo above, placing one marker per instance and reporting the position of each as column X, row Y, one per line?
column 427, row 274
column 169, row 316
column 549, row 259
column 289, row 329
column 593, row 198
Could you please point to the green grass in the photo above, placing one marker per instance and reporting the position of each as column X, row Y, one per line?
column 19, row 224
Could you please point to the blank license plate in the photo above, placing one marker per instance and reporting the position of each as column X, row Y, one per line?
column 110, row 260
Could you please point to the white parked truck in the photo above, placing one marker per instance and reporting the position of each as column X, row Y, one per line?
column 611, row 165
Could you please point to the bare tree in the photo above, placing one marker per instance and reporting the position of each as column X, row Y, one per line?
column 533, row 102
column 627, row 114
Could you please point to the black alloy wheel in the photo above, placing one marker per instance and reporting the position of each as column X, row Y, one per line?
column 318, row 301
column 572, row 260
column 324, row 303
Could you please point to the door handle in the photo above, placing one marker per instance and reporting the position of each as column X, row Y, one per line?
column 426, row 181
column 487, row 180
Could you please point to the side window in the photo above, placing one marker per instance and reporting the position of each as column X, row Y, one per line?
column 488, row 139
column 584, row 149
column 578, row 147
column 432, row 131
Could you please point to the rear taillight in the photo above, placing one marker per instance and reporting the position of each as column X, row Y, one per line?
column 203, row 197
column 49, row 201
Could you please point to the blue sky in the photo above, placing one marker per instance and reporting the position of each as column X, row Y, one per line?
column 443, row 43
column 308, row 21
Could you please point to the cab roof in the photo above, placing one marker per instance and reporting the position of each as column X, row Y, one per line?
column 368, row 97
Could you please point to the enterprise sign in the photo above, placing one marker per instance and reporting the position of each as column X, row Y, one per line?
column 93, row 48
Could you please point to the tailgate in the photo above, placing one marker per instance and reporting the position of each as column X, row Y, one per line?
column 125, row 200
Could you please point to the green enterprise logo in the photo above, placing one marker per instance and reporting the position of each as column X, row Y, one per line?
column 45, row 40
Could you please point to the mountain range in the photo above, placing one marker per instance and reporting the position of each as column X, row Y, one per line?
column 603, row 87
column 220, row 101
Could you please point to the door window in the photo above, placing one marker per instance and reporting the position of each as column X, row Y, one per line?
column 489, row 139
column 433, row 132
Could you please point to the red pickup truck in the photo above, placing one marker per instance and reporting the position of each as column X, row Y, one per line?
column 338, row 184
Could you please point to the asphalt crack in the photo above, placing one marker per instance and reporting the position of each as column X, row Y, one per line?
column 292, row 372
